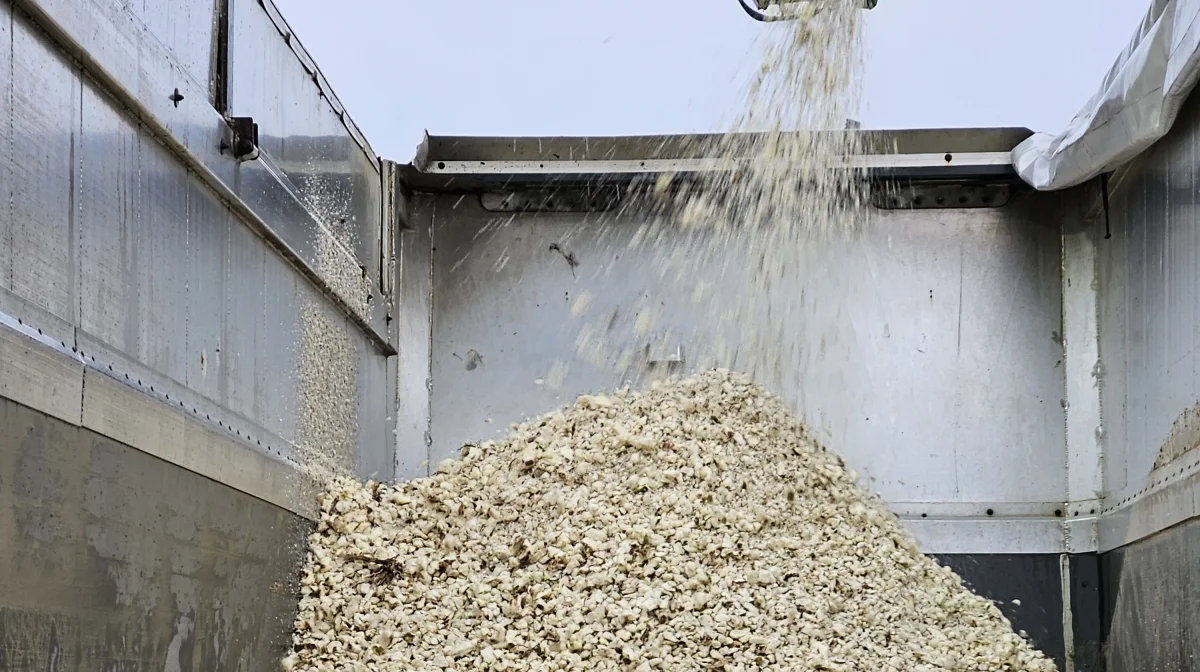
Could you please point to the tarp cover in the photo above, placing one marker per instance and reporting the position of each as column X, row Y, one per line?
column 1135, row 106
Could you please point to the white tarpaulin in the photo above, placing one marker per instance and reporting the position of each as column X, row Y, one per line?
column 1135, row 106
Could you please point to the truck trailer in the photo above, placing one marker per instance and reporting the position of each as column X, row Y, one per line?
column 208, row 278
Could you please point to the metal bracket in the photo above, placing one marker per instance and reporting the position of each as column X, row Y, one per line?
column 664, row 351
column 244, row 141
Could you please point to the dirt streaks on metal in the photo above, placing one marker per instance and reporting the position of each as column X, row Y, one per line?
column 115, row 560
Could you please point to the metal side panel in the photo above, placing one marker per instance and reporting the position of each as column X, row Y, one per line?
column 133, row 64
column 113, row 559
column 110, row 186
column 277, row 337
column 944, row 350
column 376, row 445
column 1151, row 598
column 45, row 122
column 1149, row 313
column 161, row 240
column 245, row 256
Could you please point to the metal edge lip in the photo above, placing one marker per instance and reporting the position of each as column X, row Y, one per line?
column 1167, row 496
column 1182, row 468
column 987, row 536
column 323, row 87
column 1150, row 514
column 702, row 145
column 978, row 510
column 271, row 478
column 973, row 161
column 594, row 175
column 118, row 366
column 122, row 413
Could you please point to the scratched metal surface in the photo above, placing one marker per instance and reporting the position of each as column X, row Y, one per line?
column 113, row 244
column 1149, row 311
column 44, row 120
column 114, row 559
column 209, row 225
column 376, row 447
column 145, row 52
column 110, row 184
column 186, row 29
column 275, row 353
column 937, row 373
column 303, row 134
column 161, row 252
column 239, row 347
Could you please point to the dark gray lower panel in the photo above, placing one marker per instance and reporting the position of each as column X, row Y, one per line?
column 1033, row 580
column 1086, row 610
column 111, row 559
column 1151, row 597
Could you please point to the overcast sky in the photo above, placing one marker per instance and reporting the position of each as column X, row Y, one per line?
column 618, row 67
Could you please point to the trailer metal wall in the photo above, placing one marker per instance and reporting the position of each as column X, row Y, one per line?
column 180, row 331
column 943, row 347
column 176, row 326
column 1148, row 297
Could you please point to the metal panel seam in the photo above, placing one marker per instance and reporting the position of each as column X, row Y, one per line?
column 433, row 220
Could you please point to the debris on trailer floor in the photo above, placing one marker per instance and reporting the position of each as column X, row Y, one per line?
column 697, row 526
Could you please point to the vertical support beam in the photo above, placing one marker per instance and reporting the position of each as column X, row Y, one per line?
column 414, row 334
column 1082, row 370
